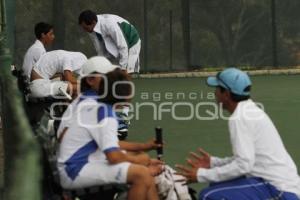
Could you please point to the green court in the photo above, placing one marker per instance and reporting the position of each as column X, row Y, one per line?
column 279, row 94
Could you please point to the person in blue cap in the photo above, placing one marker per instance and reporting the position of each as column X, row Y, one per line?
column 260, row 167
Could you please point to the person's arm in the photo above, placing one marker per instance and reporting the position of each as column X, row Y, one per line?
column 58, row 75
column 134, row 146
column 242, row 161
column 203, row 159
column 117, row 156
column 105, row 135
column 72, row 83
column 114, row 31
column 68, row 76
column 37, row 53
column 218, row 162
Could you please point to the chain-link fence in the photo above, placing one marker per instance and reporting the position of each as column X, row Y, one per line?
column 22, row 172
column 178, row 34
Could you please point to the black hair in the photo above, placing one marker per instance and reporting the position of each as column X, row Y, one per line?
column 84, row 86
column 121, row 91
column 88, row 17
column 41, row 28
column 236, row 97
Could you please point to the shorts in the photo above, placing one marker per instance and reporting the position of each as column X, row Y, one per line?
column 96, row 173
column 40, row 88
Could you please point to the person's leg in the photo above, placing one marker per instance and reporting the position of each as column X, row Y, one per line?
column 142, row 183
column 61, row 89
column 152, row 192
column 276, row 194
column 98, row 172
column 241, row 188
column 139, row 154
column 122, row 113
column 289, row 196
column 40, row 88
column 133, row 58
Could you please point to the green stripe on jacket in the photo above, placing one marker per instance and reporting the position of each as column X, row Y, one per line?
column 130, row 33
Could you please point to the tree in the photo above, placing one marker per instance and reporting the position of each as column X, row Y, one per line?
column 231, row 22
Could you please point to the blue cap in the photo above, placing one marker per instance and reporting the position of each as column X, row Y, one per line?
column 233, row 79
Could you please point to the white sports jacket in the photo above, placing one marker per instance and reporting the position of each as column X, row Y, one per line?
column 114, row 35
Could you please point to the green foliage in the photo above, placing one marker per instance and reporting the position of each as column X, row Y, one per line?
column 231, row 32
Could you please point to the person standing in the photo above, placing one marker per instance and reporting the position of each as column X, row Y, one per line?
column 260, row 168
column 113, row 37
column 44, row 36
column 119, row 41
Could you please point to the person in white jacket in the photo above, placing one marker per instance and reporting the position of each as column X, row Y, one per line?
column 44, row 36
column 113, row 37
column 117, row 40
column 260, row 168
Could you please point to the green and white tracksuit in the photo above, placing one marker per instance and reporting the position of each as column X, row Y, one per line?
column 116, row 39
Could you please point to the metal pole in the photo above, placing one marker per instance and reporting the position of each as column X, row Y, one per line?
column 171, row 39
column 59, row 24
column 274, row 33
column 145, row 35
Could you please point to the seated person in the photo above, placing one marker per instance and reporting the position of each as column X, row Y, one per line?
column 50, row 64
column 44, row 37
column 91, row 72
column 260, row 168
column 89, row 153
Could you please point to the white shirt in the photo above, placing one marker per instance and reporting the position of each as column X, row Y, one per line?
column 71, row 112
column 257, row 151
column 32, row 55
column 92, row 133
column 58, row 61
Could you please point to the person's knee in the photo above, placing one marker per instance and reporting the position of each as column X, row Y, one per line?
column 202, row 194
column 138, row 174
column 208, row 193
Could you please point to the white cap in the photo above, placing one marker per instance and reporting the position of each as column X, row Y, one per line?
column 97, row 64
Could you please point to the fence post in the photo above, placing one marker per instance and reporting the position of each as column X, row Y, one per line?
column 171, row 39
column 21, row 152
column 274, row 33
column 145, row 42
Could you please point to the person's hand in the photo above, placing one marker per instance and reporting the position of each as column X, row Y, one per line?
column 190, row 174
column 154, row 161
column 156, row 167
column 199, row 161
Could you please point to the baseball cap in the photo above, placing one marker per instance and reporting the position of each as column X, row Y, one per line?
column 233, row 79
column 97, row 64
